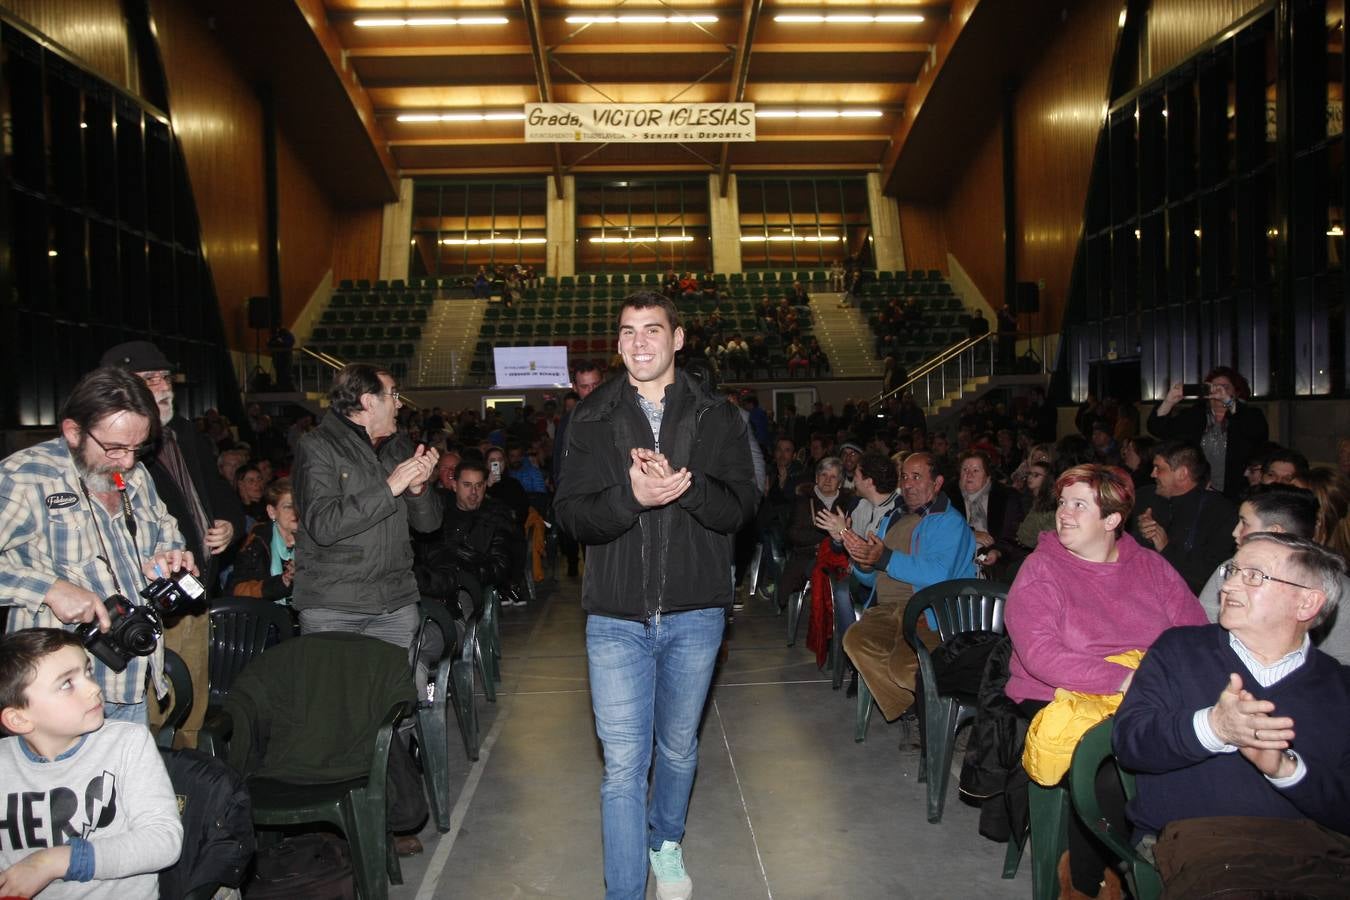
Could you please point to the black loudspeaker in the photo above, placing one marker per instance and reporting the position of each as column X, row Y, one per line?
column 263, row 313
column 1028, row 299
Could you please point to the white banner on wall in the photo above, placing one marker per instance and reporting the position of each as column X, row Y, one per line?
column 686, row 123
column 522, row 367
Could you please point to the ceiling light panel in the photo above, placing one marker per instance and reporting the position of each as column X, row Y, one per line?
column 428, row 21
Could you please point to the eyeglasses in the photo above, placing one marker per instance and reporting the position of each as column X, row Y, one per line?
column 393, row 395
column 115, row 450
column 153, row 378
column 1253, row 577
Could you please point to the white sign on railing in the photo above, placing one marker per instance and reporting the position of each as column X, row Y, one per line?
column 686, row 123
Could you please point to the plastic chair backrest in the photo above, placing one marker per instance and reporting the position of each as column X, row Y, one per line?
column 181, row 681
column 959, row 605
column 241, row 629
column 1092, row 751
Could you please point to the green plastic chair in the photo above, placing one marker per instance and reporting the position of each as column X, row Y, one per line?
column 180, row 679
column 1092, row 752
column 960, row 606
column 450, row 687
column 354, row 805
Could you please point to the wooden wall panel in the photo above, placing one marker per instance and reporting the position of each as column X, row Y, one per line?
column 1177, row 27
column 356, row 243
column 974, row 216
column 1058, row 114
column 923, row 237
column 94, row 30
column 218, row 119
column 306, row 231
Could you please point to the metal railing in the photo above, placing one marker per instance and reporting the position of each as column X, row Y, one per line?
column 983, row 355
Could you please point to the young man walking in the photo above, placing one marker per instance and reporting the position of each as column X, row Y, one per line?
column 657, row 481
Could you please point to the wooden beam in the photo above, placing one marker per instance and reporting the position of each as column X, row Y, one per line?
column 539, row 55
column 316, row 16
column 683, row 47
column 959, row 15
column 739, row 75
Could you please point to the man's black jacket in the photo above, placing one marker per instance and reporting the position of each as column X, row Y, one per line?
column 475, row 541
column 640, row 561
column 217, row 498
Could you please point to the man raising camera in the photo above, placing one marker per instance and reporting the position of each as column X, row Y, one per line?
column 80, row 524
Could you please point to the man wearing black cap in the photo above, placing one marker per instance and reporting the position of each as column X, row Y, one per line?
column 208, row 513
column 850, row 452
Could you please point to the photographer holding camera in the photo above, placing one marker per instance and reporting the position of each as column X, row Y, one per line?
column 86, row 543
column 1228, row 429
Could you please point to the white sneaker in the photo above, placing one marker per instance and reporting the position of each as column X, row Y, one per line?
column 672, row 881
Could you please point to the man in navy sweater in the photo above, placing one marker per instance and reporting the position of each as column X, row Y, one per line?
column 1245, row 718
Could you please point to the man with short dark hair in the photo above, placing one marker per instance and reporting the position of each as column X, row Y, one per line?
column 1285, row 466
column 81, row 521
column 587, row 377
column 358, row 485
column 474, row 538
column 656, row 481
column 1180, row 517
column 1274, row 744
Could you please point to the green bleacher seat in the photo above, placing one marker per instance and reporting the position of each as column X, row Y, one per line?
column 818, row 276
column 719, row 278
column 525, row 312
column 885, row 276
column 346, row 285
column 567, row 281
column 561, row 311
column 525, row 329
column 934, row 275
column 543, row 329
column 329, row 316
column 488, row 330
column 386, row 351
column 381, row 285
column 492, row 313
column 405, row 350
column 738, row 278
column 548, row 281
column 319, row 334
column 477, row 369
column 419, row 315
column 944, row 289
column 599, row 327
column 507, row 329
column 584, row 279
column 426, row 298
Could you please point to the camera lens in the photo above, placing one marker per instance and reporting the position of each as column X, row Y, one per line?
column 138, row 637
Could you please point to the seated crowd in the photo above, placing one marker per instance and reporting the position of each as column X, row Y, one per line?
column 1217, row 555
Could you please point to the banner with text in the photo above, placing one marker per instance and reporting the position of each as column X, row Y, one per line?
column 687, row 123
column 522, row 367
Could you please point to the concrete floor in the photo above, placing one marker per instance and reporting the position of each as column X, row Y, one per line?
column 786, row 806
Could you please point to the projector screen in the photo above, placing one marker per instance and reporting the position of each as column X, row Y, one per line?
column 525, row 367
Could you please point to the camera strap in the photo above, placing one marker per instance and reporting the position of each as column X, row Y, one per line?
column 104, row 556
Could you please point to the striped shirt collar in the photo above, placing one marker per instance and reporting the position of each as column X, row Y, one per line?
column 1266, row 675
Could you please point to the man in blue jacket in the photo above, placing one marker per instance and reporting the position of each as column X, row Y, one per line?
column 925, row 543
column 656, row 482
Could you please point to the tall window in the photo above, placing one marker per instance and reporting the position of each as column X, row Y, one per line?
column 789, row 223
column 1188, row 262
column 459, row 226
column 99, row 228
column 647, row 225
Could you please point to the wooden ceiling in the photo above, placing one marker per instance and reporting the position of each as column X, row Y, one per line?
column 537, row 55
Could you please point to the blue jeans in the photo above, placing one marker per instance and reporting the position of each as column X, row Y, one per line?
column 127, row 712
column 648, row 681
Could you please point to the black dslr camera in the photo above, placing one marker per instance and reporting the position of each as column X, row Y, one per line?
column 135, row 629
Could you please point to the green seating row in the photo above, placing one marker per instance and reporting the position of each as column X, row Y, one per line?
column 395, row 284
column 368, row 351
column 341, row 333
column 342, row 299
column 372, row 316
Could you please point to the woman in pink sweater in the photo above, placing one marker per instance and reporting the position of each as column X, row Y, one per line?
column 1087, row 592
column 1090, row 592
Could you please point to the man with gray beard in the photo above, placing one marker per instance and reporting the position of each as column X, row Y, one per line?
column 209, row 515
column 80, row 521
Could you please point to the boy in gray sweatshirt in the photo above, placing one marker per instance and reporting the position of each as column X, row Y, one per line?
column 86, row 807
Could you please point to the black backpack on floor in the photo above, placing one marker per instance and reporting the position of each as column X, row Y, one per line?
column 304, row 867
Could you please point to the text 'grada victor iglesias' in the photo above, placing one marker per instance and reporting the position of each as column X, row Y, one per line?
column 639, row 122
